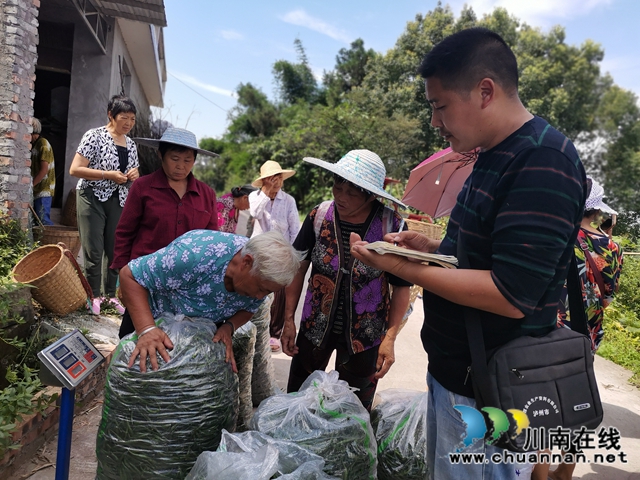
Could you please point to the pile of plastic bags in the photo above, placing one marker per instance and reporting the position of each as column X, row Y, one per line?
column 326, row 418
column 255, row 456
column 155, row 424
column 400, row 424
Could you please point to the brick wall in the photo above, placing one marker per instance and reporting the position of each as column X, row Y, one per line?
column 18, row 55
column 36, row 429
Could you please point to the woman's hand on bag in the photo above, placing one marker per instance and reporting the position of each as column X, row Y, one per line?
column 133, row 174
column 116, row 176
column 288, row 338
column 149, row 345
column 223, row 334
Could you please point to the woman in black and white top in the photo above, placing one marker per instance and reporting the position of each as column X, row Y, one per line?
column 106, row 163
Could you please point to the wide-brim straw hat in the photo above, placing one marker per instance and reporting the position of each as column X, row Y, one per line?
column 176, row 136
column 595, row 200
column 362, row 168
column 269, row 169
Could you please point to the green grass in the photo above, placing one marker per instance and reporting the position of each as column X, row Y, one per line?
column 621, row 343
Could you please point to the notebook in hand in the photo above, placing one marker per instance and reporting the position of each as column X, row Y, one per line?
column 446, row 261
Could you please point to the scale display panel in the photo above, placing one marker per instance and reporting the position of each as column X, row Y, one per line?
column 71, row 359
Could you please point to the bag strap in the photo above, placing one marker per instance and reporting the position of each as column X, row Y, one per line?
column 323, row 208
column 475, row 338
column 592, row 265
column 576, row 303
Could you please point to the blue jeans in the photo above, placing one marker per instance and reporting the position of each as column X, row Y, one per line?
column 42, row 206
column 445, row 433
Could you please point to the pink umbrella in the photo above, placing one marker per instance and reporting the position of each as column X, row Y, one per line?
column 434, row 185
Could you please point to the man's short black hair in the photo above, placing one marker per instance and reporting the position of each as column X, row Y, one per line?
column 461, row 60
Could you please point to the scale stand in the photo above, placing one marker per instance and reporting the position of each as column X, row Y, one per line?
column 67, row 363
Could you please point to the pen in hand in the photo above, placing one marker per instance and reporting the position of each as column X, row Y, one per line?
column 400, row 229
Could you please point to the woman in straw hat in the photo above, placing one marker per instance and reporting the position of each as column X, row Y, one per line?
column 273, row 209
column 165, row 204
column 348, row 306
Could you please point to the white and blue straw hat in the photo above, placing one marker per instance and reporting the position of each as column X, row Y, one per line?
column 362, row 168
column 176, row 136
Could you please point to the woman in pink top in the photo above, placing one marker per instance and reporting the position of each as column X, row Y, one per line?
column 229, row 207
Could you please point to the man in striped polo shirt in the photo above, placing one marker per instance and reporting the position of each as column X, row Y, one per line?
column 518, row 214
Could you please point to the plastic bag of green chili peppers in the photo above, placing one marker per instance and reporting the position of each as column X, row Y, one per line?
column 155, row 424
column 326, row 418
column 400, row 423
column 256, row 456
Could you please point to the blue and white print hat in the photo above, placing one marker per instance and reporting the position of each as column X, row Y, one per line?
column 362, row 168
column 176, row 136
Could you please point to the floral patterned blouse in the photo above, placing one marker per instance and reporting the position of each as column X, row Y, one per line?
column 367, row 312
column 226, row 214
column 187, row 276
column 98, row 147
column 607, row 255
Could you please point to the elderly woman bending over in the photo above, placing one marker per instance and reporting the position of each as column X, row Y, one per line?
column 215, row 275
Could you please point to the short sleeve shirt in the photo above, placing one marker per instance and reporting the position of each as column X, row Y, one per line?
column 187, row 276
column 42, row 152
column 98, row 147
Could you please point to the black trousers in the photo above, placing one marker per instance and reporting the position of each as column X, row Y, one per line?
column 357, row 370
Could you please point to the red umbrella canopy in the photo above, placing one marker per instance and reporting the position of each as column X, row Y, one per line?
column 434, row 185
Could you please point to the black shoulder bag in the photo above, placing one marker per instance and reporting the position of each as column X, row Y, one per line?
column 549, row 378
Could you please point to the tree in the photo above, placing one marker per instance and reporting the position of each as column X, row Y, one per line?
column 254, row 116
column 350, row 71
column 295, row 81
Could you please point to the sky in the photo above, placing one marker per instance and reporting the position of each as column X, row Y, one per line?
column 212, row 46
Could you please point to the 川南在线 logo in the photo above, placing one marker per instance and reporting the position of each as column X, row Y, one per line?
column 490, row 424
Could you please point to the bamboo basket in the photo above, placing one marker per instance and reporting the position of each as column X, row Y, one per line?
column 70, row 236
column 69, row 213
column 431, row 230
column 58, row 287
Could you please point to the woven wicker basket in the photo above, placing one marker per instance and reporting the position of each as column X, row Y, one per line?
column 58, row 286
column 431, row 230
column 58, row 233
column 69, row 212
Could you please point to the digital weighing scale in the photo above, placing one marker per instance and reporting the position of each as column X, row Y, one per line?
column 67, row 363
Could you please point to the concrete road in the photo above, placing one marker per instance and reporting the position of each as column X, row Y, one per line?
column 621, row 406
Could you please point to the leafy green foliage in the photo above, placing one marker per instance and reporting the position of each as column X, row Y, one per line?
column 295, row 81
column 14, row 244
column 18, row 400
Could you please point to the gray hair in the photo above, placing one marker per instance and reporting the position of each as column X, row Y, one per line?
column 274, row 259
column 37, row 126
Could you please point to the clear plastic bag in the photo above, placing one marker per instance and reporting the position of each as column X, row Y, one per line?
column 258, row 457
column 244, row 344
column 400, row 423
column 263, row 383
column 155, row 424
column 326, row 418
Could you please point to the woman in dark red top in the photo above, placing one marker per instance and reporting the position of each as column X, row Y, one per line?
column 165, row 204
